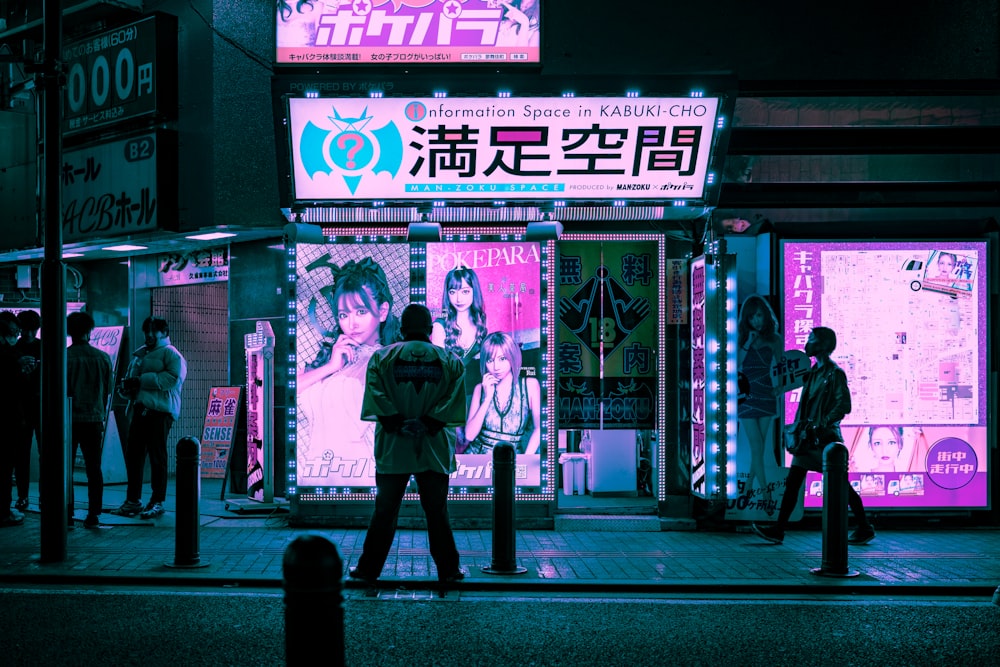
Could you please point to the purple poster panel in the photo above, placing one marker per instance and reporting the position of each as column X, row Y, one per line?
column 408, row 32
column 485, row 297
column 910, row 319
column 349, row 298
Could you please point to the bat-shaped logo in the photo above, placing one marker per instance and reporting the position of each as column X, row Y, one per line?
column 417, row 373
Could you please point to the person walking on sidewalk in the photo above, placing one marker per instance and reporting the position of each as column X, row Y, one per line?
column 11, row 415
column 153, row 385
column 825, row 400
column 414, row 390
column 89, row 380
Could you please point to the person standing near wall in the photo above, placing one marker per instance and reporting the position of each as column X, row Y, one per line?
column 153, row 386
column 11, row 414
column 89, row 379
column 29, row 353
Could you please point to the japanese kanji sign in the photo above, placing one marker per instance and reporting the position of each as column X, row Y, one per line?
column 220, row 430
column 474, row 148
column 110, row 188
column 116, row 75
column 607, row 334
column 412, row 32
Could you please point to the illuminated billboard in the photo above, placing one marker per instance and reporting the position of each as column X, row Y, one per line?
column 643, row 149
column 486, row 299
column 912, row 336
column 408, row 32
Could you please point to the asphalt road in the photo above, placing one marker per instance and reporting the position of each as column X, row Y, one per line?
column 244, row 628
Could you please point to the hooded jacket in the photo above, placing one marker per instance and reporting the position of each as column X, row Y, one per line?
column 161, row 372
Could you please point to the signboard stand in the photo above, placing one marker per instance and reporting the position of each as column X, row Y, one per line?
column 259, row 348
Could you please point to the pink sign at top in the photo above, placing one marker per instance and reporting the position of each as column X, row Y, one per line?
column 604, row 148
column 316, row 32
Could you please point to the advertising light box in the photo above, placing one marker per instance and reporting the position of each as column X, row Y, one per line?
column 479, row 148
column 486, row 299
column 408, row 32
column 912, row 336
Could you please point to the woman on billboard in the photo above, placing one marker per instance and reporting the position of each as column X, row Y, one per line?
column 506, row 408
column 462, row 330
column 331, row 387
column 760, row 346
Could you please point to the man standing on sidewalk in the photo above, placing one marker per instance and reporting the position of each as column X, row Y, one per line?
column 153, row 385
column 11, row 415
column 414, row 391
column 89, row 378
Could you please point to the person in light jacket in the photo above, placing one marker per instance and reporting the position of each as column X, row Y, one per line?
column 153, row 386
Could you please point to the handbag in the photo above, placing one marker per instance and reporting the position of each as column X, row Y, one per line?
column 804, row 438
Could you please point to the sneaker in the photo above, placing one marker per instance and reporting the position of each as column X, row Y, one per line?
column 772, row 534
column 129, row 508
column 91, row 521
column 454, row 577
column 862, row 535
column 15, row 518
column 152, row 511
column 357, row 575
column 21, row 504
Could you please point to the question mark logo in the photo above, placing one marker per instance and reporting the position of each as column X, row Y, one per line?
column 351, row 150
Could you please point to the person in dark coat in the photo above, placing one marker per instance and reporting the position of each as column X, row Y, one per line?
column 825, row 401
column 11, row 415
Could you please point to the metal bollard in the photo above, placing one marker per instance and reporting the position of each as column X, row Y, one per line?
column 835, row 485
column 188, row 486
column 504, row 548
column 312, row 572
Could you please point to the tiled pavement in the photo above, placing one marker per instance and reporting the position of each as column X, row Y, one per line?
column 247, row 550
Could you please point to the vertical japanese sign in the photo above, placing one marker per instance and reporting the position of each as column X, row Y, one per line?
column 486, row 300
column 912, row 337
column 699, row 375
column 408, row 32
column 512, row 148
column 607, row 334
column 219, row 430
column 678, row 306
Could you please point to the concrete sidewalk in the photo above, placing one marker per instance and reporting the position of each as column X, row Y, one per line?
column 246, row 550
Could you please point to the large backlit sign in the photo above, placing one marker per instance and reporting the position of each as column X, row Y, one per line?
column 912, row 336
column 486, row 298
column 119, row 187
column 408, row 32
column 476, row 148
column 120, row 74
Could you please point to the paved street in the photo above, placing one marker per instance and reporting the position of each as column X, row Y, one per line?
column 190, row 627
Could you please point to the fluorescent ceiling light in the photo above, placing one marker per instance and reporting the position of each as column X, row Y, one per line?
column 67, row 255
column 125, row 247
column 211, row 236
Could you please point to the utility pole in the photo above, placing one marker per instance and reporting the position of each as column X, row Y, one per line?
column 54, row 477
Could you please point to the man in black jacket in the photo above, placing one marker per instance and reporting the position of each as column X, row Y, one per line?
column 825, row 401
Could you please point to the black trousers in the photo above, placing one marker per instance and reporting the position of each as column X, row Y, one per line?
column 147, row 435
column 793, row 484
column 89, row 438
column 389, row 490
